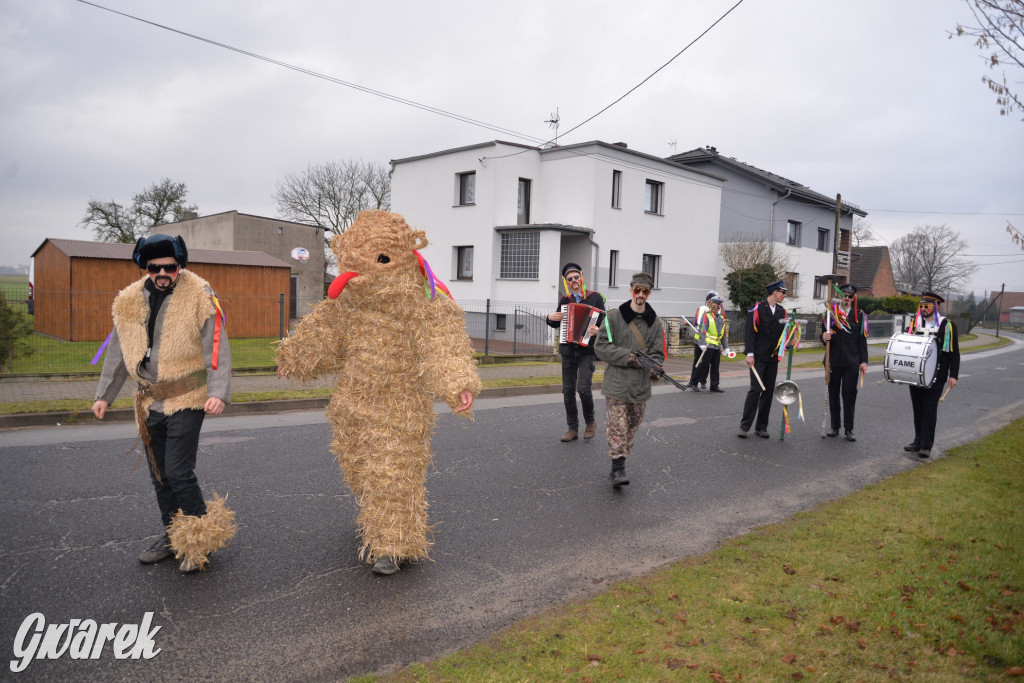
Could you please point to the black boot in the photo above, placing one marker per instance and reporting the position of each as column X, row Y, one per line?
column 618, row 475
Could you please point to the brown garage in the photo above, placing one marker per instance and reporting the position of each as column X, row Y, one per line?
column 76, row 282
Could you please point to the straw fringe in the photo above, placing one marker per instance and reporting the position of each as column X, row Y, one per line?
column 394, row 350
column 194, row 537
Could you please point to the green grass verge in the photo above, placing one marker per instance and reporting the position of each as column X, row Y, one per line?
column 917, row 577
column 53, row 356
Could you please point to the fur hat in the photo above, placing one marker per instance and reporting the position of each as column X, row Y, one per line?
column 160, row 246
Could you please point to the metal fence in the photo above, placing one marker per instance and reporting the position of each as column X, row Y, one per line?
column 495, row 327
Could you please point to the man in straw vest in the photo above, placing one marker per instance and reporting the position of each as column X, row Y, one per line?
column 627, row 385
column 846, row 335
column 766, row 322
column 169, row 337
column 925, row 401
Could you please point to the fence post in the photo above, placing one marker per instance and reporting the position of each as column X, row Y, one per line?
column 280, row 323
column 515, row 329
column 487, row 327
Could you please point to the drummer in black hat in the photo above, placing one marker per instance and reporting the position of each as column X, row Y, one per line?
column 925, row 400
column 578, row 362
column 845, row 333
column 765, row 324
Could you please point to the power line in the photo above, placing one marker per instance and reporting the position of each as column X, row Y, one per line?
column 331, row 79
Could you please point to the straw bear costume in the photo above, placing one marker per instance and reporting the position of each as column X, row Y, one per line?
column 396, row 341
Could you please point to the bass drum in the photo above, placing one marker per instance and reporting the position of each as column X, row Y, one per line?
column 912, row 359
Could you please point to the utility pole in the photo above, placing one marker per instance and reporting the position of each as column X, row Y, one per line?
column 999, row 315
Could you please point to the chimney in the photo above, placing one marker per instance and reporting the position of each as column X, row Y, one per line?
column 621, row 144
column 189, row 215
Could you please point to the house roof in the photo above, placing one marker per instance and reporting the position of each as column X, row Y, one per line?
column 711, row 155
column 123, row 252
column 559, row 227
column 864, row 265
column 489, row 143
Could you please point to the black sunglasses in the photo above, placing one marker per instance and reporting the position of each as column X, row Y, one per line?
column 169, row 268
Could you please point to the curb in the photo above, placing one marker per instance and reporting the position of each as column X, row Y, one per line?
column 248, row 408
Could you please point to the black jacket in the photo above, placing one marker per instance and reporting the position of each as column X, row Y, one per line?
column 762, row 342
column 847, row 349
column 949, row 361
column 591, row 299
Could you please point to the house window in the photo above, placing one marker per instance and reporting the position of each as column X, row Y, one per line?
column 463, row 263
column 465, row 188
column 793, row 233
column 523, row 213
column 520, row 255
column 653, row 196
column 651, row 265
column 613, row 268
column 823, row 239
column 820, row 288
column 616, row 189
column 792, row 285
column 500, row 322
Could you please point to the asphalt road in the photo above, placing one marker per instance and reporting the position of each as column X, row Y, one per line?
column 523, row 522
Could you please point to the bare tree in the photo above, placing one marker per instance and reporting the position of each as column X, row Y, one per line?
column 999, row 33
column 332, row 194
column 750, row 250
column 861, row 233
column 929, row 259
column 160, row 203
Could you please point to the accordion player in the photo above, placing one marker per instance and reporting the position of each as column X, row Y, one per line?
column 576, row 322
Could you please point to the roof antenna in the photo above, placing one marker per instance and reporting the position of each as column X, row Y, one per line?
column 553, row 123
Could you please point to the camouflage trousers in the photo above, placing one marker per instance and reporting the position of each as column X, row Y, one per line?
column 622, row 420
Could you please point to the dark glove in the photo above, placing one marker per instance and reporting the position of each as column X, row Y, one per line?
column 633, row 362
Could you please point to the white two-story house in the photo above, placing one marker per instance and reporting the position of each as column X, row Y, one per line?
column 503, row 218
column 760, row 205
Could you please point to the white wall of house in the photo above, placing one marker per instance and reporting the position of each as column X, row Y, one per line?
column 571, row 194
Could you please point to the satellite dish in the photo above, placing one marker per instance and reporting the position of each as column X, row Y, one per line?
column 300, row 254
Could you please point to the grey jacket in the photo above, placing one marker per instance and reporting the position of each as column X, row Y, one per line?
column 621, row 382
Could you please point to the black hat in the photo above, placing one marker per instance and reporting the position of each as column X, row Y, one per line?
column 569, row 267
column 778, row 284
column 848, row 289
column 931, row 298
column 160, row 246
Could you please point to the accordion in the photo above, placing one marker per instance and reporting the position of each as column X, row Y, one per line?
column 576, row 319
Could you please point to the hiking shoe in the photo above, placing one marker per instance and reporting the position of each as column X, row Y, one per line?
column 570, row 435
column 742, row 433
column 911, row 447
column 159, row 551
column 619, row 478
column 384, row 566
column 589, row 432
column 762, row 433
column 924, row 453
column 694, row 387
column 187, row 566
column 849, row 436
column 716, row 390
column 832, row 432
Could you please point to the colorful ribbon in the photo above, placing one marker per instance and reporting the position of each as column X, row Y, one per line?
column 103, row 347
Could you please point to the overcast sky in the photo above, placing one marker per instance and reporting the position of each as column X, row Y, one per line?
column 868, row 98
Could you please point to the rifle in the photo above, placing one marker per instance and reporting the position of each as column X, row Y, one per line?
column 648, row 363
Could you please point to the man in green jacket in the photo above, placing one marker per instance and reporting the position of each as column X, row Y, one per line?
column 627, row 386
